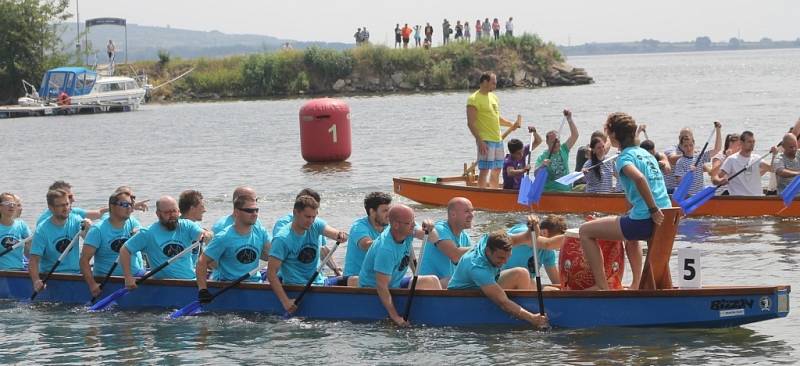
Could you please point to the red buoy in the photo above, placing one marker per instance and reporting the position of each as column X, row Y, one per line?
column 325, row 130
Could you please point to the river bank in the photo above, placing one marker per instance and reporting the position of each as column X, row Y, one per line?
column 519, row 62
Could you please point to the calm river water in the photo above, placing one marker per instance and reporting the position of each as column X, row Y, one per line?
column 213, row 147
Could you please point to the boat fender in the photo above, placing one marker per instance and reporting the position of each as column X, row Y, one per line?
column 64, row 99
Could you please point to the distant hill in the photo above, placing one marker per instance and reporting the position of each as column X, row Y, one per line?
column 144, row 42
column 654, row 46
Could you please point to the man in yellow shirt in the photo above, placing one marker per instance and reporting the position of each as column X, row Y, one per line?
column 484, row 121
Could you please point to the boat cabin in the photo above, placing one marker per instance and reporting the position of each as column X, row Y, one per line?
column 73, row 81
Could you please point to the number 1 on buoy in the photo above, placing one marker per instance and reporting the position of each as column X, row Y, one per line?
column 332, row 130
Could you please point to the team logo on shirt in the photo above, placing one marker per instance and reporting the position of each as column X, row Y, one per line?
column 404, row 263
column 117, row 244
column 246, row 255
column 172, row 249
column 8, row 242
column 307, row 254
column 62, row 244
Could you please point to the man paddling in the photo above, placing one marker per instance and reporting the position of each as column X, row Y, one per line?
column 295, row 253
column 390, row 255
column 749, row 182
column 105, row 239
column 787, row 166
column 236, row 250
column 163, row 240
column 440, row 257
column 226, row 221
column 484, row 121
column 53, row 236
column 84, row 214
column 480, row 268
column 363, row 232
column 552, row 230
column 191, row 205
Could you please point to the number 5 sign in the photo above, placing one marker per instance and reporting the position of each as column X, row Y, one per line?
column 688, row 268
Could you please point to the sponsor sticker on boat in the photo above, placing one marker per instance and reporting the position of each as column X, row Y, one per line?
column 732, row 312
column 765, row 303
column 783, row 303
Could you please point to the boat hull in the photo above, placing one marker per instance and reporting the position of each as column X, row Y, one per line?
column 707, row 307
column 505, row 200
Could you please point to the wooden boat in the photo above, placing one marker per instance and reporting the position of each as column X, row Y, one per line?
column 706, row 307
column 504, row 200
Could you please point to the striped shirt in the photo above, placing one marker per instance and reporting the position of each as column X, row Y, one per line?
column 684, row 165
column 604, row 184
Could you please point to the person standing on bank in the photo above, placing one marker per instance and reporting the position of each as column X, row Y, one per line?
column 111, row 49
column 484, row 121
column 645, row 191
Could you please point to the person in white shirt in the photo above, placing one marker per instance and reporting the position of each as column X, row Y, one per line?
column 510, row 27
column 749, row 182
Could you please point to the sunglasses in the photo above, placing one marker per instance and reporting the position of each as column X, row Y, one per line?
column 124, row 204
column 10, row 204
column 249, row 210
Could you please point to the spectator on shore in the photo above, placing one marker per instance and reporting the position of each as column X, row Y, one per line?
column 111, row 49
column 459, row 30
column 510, row 27
column 426, row 44
column 358, row 38
column 398, row 35
column 428, row 33
column 467, row 35
column 496, row 29
column 364, row 35
column 446, row 30
column 478, row 29
column 417, row 35
column 487, row 28
column 406, row 32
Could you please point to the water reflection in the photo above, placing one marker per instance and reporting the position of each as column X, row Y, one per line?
column 327, row 168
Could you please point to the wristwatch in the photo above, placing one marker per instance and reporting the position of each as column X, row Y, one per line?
column 652, row 209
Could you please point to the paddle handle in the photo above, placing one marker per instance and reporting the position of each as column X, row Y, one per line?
column 106, row 278
column 234, row 283
column 415, row 271
column 745, row 169
column 539, row 294
column 168, row 262
column 15, row 246
column 699, row 158
column 316, row 273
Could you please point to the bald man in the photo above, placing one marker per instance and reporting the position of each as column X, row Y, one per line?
column 787, row 166
column 389, row 256
column 440, row 257
column 161, row 241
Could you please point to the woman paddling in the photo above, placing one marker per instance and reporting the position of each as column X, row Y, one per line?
column 600, row 178
column 645, row 191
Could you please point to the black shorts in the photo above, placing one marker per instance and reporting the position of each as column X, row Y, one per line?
column 405, row 40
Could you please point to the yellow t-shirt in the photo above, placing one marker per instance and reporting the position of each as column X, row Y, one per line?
column 488, row 119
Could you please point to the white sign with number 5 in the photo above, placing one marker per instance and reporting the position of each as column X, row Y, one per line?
column 689, row 268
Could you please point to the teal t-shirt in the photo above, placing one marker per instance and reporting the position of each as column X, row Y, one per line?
column 160, row 244
column 387, row 257
column 559, row 167
column 47, row 214
column 522, row 255
column 474, row 270
column 648, row 166
column 107, row 241
column 434, row 262
column 50, row 240
column 299, row 253
column 10, row 236
column 354, row 257
column 237, row 254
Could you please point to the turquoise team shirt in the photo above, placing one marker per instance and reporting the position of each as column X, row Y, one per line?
column 474, row 270
column 299, row 253
column 107, row 241
column 434, row 262
column 387, row 257
column 47, row 214
column 283, row 221
column 160, row 245
column 10, row 235
column 522, row 255
column 50, row 240
column 237, row 254
column 648, row 166
column 355, row 255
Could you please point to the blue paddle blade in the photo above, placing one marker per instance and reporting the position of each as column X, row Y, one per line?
column 790, row 191
column 683, row 187
column 109, row 300
column 694, row 202
column 190, row 309
column 538, row 185
column 524, row 191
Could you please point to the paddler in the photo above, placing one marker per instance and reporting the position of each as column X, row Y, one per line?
column 749, row 182
column 363, row 233
column 12, row 231
column 226, row 221
column 295, row 253
column 484, row 121
column 440, row 257
column 236, row 250
column 643, row 184
column 481, row 268
column 389, row 256
column 552, row 229
column 556, row 157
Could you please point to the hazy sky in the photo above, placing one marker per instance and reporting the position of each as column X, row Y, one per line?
column 575, row 21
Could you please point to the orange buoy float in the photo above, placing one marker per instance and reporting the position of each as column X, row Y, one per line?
column 325, row 130
column 64, row 99
column 576, row 274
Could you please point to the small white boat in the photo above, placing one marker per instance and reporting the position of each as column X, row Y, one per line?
column 70, row 90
